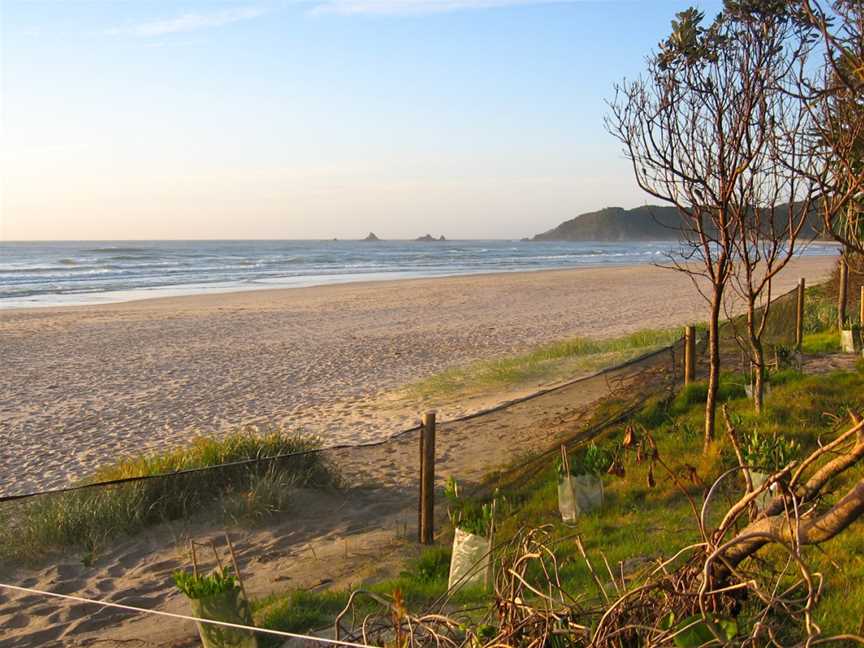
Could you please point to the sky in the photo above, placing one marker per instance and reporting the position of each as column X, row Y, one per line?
column 296, row 119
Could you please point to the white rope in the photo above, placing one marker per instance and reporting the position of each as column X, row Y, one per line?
column 132, row 608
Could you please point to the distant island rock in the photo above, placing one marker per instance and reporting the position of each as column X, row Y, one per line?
column 371, row 238
column 428, row 238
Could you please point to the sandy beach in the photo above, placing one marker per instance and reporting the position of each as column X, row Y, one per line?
column 82, row 385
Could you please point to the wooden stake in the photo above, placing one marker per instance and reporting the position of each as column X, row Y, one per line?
column 689, row 354
column 194, row 558
column 799, row 316
column 427, row 480
column 236, row 566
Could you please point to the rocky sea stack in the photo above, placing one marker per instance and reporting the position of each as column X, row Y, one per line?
column 428, row 238
column 371, row 237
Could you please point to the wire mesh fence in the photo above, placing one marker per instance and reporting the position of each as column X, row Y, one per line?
column 308, row 518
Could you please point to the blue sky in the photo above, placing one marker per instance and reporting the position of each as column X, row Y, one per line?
column 471, row 118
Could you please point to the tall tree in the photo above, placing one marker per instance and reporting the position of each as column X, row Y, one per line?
column 773, row 206
column 698, row 129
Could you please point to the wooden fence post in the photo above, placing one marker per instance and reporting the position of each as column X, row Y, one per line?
column 861, row 308
column 689, row 354
column 799, row 316
column 426, row 525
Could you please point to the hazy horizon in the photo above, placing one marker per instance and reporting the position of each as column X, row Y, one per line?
column 382, row 237
column 309, row 120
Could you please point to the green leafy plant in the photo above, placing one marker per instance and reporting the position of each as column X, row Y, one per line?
column 195, row 586
column 768, row 453
column 467, row 514
column 593, row 461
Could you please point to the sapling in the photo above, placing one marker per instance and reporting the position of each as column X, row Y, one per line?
column 768, row 453
column 469, row 515
column 195, row 586
column 218, row 596
column 595, row 461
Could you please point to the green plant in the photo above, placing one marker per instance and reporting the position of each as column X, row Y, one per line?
column 548, row 363
column 468, row 514
column 195, row 586
column 431, row 566
column 820, row 311
column 768, row 453
column 593, row 461
column 90, row 517
column 268, row 493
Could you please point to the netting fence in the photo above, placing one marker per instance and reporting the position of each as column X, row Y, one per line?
column 338, row 505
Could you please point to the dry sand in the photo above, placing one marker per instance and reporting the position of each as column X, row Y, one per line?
column 81, row 385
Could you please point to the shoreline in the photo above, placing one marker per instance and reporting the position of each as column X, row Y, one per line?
column 180, row 291
column 257, row 288
column 85, row 385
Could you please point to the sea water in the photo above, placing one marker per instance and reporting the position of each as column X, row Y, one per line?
column 86, row 272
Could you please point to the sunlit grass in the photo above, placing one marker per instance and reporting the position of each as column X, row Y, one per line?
column 89, row 518
column 546, row 364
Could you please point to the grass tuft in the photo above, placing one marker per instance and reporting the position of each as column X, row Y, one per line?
column 88, row 518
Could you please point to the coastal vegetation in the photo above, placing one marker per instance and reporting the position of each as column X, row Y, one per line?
column 169, row 485
column 647, row 516
column 547, row 364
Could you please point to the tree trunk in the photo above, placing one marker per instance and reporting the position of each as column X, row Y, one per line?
column 758, row 379
column 713, row 365
column 757, row 358
column 841, row 293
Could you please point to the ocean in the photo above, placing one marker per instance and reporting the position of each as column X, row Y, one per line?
column 89, row 272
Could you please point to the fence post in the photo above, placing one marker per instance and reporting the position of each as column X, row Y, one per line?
column 861, row 308
column 426, row 527
column 799, row 316
column 689, row 354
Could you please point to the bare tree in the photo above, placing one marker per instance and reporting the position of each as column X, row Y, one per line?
column 835, row 96
column 773, row 205
column 698, row 128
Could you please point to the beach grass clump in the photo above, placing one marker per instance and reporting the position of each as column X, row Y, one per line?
column 548, row 363
column 90, row 517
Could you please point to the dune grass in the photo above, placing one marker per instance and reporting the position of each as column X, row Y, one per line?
column 88, row 518
column 546, row 364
